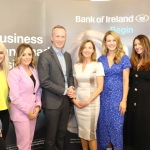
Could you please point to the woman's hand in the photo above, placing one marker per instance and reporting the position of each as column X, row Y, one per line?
column 36, row 111
column 31, row 116
column 76, row 103
column 122, row 107
column 84, row 103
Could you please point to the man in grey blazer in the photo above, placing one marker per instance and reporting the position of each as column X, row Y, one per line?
column 56, row 78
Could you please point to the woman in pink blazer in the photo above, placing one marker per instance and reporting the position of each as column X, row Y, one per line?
column 25, row 96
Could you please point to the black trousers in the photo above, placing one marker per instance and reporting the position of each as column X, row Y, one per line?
column 2, row 144
column 56, row 121
column 4, row 117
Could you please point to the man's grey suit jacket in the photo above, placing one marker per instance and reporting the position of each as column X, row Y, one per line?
column 51, row 78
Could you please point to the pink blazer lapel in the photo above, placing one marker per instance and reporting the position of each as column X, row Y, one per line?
column 24, row 73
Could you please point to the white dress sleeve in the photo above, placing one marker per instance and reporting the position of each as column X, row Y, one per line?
column 100, row 69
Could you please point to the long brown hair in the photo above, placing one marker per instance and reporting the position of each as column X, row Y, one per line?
column 146, row 54
column 119, row 49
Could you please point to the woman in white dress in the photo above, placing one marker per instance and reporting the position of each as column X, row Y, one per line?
column 89, row 78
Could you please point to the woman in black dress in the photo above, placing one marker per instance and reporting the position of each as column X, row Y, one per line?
column 137, row 119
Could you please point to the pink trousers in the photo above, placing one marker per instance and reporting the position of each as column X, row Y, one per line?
column 24, row 133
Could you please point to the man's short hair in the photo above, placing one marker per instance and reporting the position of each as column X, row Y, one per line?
column 58, row 26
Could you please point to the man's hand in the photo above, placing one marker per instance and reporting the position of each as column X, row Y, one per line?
column 71, row 93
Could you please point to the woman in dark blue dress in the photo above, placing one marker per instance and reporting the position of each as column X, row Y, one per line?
column 137, row 118
column 114, row 95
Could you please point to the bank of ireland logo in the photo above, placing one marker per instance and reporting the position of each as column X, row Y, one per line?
column 142, row 18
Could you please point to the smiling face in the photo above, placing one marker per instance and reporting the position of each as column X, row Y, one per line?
column 58, row 38
column 138, row 47
column 2, row 55
column 87, row 50
column 26, row 57
column 111, row 43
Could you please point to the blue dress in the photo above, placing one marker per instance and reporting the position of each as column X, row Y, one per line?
column 110, row 122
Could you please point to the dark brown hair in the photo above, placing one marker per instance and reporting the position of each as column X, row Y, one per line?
column 146, row 54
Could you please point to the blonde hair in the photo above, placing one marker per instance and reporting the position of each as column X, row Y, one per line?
column 19, row 53
column 80, row 55
column 119, row 49
column 5, row 63
column 135, row 57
